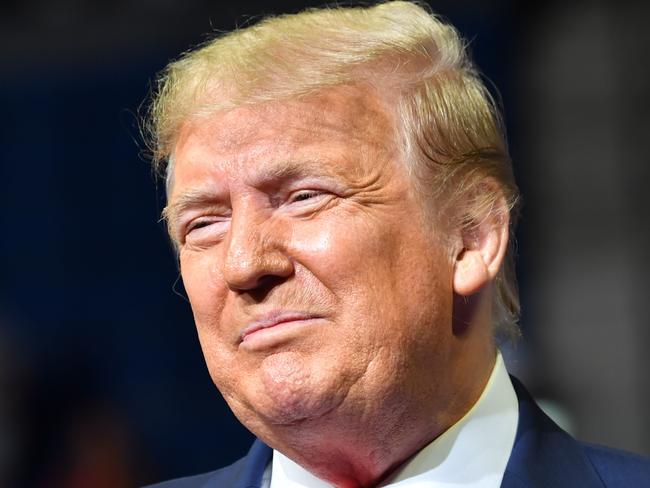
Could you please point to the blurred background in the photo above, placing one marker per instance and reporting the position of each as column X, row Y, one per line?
column 102, row 380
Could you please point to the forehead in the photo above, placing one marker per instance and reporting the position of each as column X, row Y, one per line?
column 342, row 123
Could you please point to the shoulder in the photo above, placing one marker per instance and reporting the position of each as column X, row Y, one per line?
column 618, row 468
column 195, row 481
column 246, row 472
column 218, row 477
column 544, row 455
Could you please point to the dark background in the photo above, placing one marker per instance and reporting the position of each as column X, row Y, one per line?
column 102, row 381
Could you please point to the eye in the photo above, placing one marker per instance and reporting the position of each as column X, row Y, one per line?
column 304, row 195
column 206, row 229
column 198, row 224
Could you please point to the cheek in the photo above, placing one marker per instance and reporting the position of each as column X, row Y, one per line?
column 341, row 248
column 384, row 273
column 315, row 238
column 205, row 287
column 362, row 265
column 202, row 279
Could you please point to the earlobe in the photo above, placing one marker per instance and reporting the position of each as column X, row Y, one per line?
column 470, row 272
column 484, row 247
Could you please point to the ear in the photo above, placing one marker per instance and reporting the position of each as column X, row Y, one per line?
column 483, row 247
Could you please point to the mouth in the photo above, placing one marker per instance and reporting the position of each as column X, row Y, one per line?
column 274, row 320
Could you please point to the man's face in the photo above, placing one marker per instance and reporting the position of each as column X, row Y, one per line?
column 316, row 287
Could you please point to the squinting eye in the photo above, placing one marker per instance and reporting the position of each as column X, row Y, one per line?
column 199, row 224
column 205, row 227
column 303, row 195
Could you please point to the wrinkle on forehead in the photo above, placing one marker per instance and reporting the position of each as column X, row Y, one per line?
column 354, row 112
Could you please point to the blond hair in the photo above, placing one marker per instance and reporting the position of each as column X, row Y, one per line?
column 449, row 127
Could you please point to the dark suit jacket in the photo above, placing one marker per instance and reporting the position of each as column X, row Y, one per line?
column 543, row 456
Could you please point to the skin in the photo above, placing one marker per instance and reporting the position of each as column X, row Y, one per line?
column 322, row 293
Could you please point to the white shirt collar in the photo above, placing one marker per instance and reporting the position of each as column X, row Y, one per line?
column 472, row 453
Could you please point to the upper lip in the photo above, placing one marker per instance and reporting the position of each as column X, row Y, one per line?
column 274, row 318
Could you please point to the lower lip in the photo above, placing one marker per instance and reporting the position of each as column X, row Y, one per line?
column 276, row 334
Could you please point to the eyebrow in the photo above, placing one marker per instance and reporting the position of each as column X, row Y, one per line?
column 192, row 198
column 283, row 170
column 288, row 169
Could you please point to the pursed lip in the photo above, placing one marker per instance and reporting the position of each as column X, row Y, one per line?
column 272, row 319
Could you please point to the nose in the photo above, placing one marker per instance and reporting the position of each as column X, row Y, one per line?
column 255, row 254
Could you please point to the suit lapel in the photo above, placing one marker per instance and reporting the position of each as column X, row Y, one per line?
column 543, row 454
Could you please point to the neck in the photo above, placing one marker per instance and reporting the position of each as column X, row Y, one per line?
column 353, row 448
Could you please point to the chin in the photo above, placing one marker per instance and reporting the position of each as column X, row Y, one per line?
column 286, row 391
column 294, row 390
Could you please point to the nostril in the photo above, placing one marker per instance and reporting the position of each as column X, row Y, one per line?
column 266, row 270
column 265, row 285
